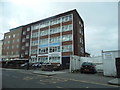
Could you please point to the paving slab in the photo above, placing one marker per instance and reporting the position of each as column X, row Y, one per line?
column 115, row 81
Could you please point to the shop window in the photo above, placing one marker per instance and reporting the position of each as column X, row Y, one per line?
column 43, row 50
column 55, row 49
column 55, row 59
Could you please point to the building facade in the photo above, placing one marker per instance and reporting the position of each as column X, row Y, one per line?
column 54, row 39
column 51, row 40
column 12, row 44
column 25, row 42
column 1, row 43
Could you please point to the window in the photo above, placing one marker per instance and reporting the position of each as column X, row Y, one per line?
column 8, row 47
column 23, row 40
column 82, row 50
column 55, row 59
column 55, row 39
column 43, row 50
column 13, row 35
column 33, row 43
column 34, row 27
column 5, row 42
column 12, row 47
column 26, row 52
column 44, row 24
column 43, row 33
column 27, row 37
column 34, row 51
column 55, row 49
column 18, row 34
column 24, row 32
column 11, row 53
column 55, row 21
column 34, row 60
column 43, row 59
column 18, row 40
column 67, row 18
column 9, row 36
column 28, row 29
column 67, row 27
column 23, row 47
column 13, row 41
column 22, row 55
column 43, row 41
column 27, row 44
column 54, row 30
column 81, row 25
column 17, row 46
column 67, row 37
column 8, row 42
column 34, row 35
column 66, row 48
column 80, row 31
column 16, row 53
column 80, row 40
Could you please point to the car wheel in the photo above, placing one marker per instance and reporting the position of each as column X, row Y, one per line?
column 81, row 71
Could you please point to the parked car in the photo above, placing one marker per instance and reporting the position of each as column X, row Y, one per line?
column 23, row 65
column 88, row 67
column 36, row 65
column 47, row 67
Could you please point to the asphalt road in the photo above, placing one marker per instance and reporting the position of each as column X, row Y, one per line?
column 26, row 79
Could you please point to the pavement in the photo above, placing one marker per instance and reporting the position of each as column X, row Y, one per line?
column 115, row 81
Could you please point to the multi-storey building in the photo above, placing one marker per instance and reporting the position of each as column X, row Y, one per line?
column 1, row 43
column 25, row 42
column 51, row 40
column 12, row 44
column 54, row 39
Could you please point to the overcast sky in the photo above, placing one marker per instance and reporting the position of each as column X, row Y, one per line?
column 100, row 19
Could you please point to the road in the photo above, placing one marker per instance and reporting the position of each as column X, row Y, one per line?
column 26, row 79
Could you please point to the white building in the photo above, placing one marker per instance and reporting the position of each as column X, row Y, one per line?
column 109, row 62
column 77, row 61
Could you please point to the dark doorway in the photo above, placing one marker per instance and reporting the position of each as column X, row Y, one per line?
column 66, row 62
column 118, row 67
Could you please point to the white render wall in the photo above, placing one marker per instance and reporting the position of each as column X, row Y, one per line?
column 76, row 62
column 109, row 66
